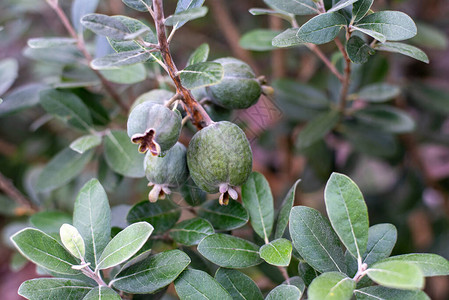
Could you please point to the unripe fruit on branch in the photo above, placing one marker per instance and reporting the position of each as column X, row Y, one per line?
column 239, row 87
column 220, row 158
column 155, row 127
column 166, row 172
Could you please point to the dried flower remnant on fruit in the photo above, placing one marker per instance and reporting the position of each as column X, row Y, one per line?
column 146, row 142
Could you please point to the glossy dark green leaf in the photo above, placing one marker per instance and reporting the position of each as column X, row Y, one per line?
column 394, row 25
column 45, row 251
column 360, row 9
column 322, row 29
column 397, row 274
column 430, row 264
column 332, row 285
column 229, row 252
column 314, row 239
column 296, row 7
column 404, row 49
column 258, row 200
column 152, row 273
column 277, row 252
column 347, row 212
column 239, row 285
column 50, row 221
column 284, row 211
column 199, row 55
column 67, row 107
column 384, row 293
column 284, row 291
column 317, row 129
column 102, row 293
column 163, row 214
column 63, row 167
column 358, row 51
column 122, row 155
column 258, row 39
column 140, row 5
column 385, row 118
column 180, row 18
column 191, row 232
column 196, row 284
column 229, row 217
column 201, row 74
column 92, row 218
column 379, row 92
column 54, row 288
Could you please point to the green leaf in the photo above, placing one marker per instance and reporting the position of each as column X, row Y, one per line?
column 379, row 92
column 332, row 285
column 358, row 51
column 102, row 293
column 397, row 274
column 152, row 273
column 322, row 28
column 201, row 74
column 199, row 55
column 430, row 264
column 115, row 60
column 229, row 217
column 258, row 200
column 341, row 4
column 54, row 288
column 314, row 239
column 229, row 252
column 49, row 42
column 384, row 293
column 179, row 19
column 298, row 282
column 86, row 142
column 239, row 285
column 287, row 38
column 9, row 70
column 317, row 129
column 105, row 25
column 258, row 39
column 81, row 8
column 360, row 9
column 347, row 212
column 430, row 37
column 44, row 251
column 404, row 49
column 284, row 211
column 277, row 252
column 192, row 194
column 124, row 245
column 271, row 12
column 374, row 34
column 63, row 167
column 296, row 7
column 163, row 215
column 126, row 74
column 191, row 232
column 394, row 25
column 67, row 107
column 285, row 292
column 21, row 98
column 307, row 273
column 72, row 241
column 184, row 5
column 92, row 218
column 134, row 28
column 196, row 284
column 430, row 98
column 385, row 118
column 140, row 5
column 50, row 221
column 122, row 156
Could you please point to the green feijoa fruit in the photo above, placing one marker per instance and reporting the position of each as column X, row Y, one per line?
column 166, row 171
column 239, row 87
column 158, row 96
column 219, row 158
column 154, row 126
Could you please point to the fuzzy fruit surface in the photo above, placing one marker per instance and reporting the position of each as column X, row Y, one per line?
column 165, row 122
column 217, row 154
column 169, row 169
column 239, row 87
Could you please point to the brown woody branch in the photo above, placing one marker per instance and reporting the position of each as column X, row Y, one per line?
column 197, row 113
column 347, row 75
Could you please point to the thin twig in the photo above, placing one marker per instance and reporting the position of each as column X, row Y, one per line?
column 199, row 116
column 278, row 57
column 347, row 76
column 82, row 47
column 284, row 274
column 9, row 189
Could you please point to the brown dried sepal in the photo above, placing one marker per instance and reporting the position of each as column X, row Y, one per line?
column 146, row 142
column 158, row 192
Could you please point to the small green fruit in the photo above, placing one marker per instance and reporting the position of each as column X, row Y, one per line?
column 239, row 87
column 154, row 126
column 219, row 158
column 165, row 172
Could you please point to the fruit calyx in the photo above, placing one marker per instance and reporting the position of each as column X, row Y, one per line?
column 158, row 191
column 146, row 142
column 226, row 191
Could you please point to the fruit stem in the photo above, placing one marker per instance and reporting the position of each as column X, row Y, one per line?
column 197, row 113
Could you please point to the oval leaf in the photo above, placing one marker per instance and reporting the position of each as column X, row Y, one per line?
column 287, row 38
column 196, row 284
column 49, row 42
column 140, row 5
column 386, row 118
column 379, row 92
column 199, row 55
column 360, row 8
column 317, row 129
column 201, row 74
column 284, row 211
column 332, row 285
column 285, row 292
column 191, row 232
column 258, row 40
column 296, row 7
column 358, row 51
column 397, row 274
column 384, row 293
column 163, row 215
column 430, row 264
column 105, row 25
column 277, row 252
column 322, row 29
column 72, row 241
column 124, row 245
column 404, row 49
column 84, row 143
column 228, row 217
column 239, row 285
column 179, row 19
column 120, row 59
column 54, row 288
column 229, row 252
column 102, row 293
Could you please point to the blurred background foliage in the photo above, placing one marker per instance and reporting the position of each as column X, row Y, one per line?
column 404, row 174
